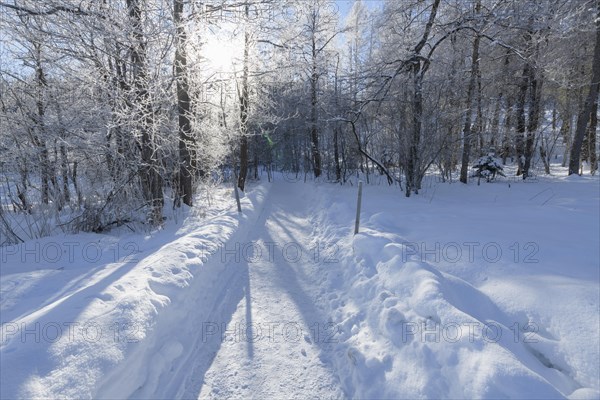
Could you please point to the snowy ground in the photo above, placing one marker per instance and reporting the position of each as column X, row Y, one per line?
column 461, row 292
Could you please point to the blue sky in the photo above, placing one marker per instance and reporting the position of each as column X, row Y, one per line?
column 345, row 5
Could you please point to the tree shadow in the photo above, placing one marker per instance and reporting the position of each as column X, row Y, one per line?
column 293, row 281
column 216, row 328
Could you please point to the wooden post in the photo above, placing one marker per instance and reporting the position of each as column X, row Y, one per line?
column 358, row 205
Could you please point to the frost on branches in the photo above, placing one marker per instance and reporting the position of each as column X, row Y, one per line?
column 487, row 167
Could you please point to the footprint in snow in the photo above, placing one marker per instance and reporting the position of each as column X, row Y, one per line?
column 303, row 352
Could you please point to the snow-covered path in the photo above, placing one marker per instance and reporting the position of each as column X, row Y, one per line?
column 276, row 342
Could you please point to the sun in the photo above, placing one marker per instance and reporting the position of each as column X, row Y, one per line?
column 221, row 54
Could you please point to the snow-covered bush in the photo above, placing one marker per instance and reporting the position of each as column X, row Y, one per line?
column 488, row 167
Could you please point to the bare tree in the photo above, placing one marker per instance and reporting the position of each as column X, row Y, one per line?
column 584, row 115
column 187, row 143
column 466, row 153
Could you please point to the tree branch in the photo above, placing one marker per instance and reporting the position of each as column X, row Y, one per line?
column 50, row 11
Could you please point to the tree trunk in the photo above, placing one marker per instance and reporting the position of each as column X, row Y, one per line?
column 65, row 172
column 22, row 189
column 565, row 132
column 76, row 185
column 534, row 117
column 151, row 180
column 584, row 115
column 39, row 133
column 413, row 173
column 336, row 155
column 543, row 156
column 314, row 117
column 314, row 101
column 243, row 163
column 255, row 154
column 466, row 153
column 506, row 138
column 413, row 149
column 64, row 162
column 479, row 123
column 244, row 98
column 521, row 126
column 336, row 128
column 593, row 156
column 495, row 125
column 187, row 142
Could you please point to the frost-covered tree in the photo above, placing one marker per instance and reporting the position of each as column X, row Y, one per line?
column 488, row 167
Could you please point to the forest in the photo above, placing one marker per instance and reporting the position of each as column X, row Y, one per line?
column 120, row 112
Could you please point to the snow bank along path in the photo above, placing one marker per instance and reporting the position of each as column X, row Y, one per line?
column 284, row 302
column 90, row 316
column 467, row 291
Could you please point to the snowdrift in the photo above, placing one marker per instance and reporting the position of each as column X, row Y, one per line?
column 430, row 301
column 107, row 319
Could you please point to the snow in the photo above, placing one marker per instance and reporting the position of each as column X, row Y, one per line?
column 276, row 329
column 75, row 319
column 476, row 291
column 488, row 166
